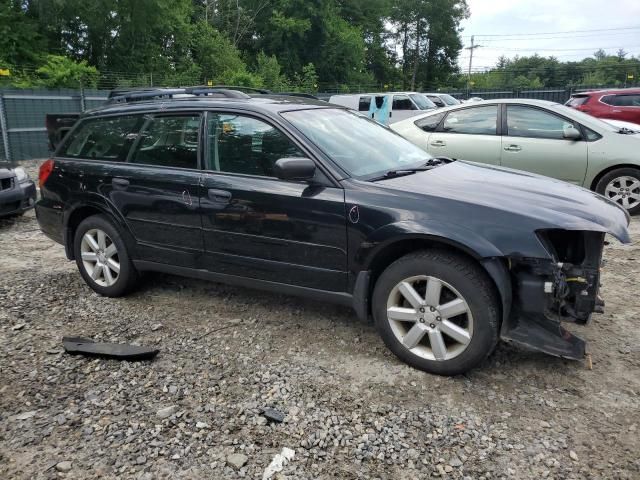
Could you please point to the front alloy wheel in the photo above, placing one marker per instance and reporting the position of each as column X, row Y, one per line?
column 622, row 185
column 437, row 310
column 430, row 318
column 624, row 190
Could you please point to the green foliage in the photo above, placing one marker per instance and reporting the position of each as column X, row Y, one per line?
column 60, row 72
column 537, row 72
column 279, row 44
column 269, row 70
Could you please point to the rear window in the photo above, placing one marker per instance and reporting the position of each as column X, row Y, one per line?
column 577, row 100
column 102, row 138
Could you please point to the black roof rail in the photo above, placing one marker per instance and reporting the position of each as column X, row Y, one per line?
column 263, row 91
column 126, row 96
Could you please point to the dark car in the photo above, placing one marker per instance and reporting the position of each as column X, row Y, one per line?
column 621, row 104
column 301, row 197
column 17, row 191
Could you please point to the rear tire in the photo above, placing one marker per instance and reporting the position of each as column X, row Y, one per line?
column 437, row 311
column 622, row 185
column 102, row 257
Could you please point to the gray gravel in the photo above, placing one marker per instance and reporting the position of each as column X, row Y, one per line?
column 352, row 411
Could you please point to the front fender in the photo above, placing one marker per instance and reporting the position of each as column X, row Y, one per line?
column 450, row 234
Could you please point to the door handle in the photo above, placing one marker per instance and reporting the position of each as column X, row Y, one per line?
column 438, row 143
column 513, row 148
column 219, row 196
column 120, row 182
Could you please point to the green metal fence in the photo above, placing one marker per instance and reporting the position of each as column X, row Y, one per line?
column 22, row 118
column 22, row 112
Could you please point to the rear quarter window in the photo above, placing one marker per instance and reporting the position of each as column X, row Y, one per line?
column 102, row 138
column 577, row 101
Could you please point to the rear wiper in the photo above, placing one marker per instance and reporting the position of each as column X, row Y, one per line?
column 626, row 131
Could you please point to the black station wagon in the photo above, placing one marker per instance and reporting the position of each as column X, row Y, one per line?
column 302, row 197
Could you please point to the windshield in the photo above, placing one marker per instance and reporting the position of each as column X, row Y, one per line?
column 449, row 100
column 422, row 102
column 358, row 145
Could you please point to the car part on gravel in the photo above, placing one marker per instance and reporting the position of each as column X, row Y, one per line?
column 273, row 415
column 118, row 351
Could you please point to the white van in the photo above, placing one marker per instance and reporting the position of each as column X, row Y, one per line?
column 400, row 105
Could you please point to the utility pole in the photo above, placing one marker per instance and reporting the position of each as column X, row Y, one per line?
column 471, row 49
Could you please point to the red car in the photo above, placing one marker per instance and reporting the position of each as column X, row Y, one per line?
column 622, row 104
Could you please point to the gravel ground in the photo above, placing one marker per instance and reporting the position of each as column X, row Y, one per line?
column 352, row 410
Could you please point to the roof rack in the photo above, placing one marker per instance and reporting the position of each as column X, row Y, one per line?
column 127, row 96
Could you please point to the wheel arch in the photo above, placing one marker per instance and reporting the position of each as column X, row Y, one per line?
column 79, row 212
column 601, row 174
column 495, row 266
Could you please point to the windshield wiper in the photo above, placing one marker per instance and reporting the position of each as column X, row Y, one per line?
column 626, row 131
column 399, row 173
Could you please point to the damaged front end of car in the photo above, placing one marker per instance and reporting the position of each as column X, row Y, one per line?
column 561, row 288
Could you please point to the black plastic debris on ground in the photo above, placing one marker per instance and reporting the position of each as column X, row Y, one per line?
column 118, row 351
column 273, row 415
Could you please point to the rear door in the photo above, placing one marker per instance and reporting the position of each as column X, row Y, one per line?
column 146, row 168
column 468, row 134
column 533, row 140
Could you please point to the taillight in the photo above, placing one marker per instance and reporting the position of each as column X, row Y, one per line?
column 45, row 170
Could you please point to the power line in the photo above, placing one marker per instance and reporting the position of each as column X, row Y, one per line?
column 556, row 33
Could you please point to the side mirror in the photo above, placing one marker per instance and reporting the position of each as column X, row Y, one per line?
column 294, row 169
column 571, row 133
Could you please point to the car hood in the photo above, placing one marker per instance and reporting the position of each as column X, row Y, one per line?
column 549, row 203
column 6, row 173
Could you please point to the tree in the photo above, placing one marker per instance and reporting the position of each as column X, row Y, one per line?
column 61, row 71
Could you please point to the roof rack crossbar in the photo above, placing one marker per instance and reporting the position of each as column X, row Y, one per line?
column 133, row 96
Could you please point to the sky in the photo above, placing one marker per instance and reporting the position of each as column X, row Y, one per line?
column 529, row 26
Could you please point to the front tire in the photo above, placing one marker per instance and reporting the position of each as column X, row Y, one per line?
column 622, row 185
column 437, row 311
column 102, row 257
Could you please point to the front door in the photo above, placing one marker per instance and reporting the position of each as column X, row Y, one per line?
column 534, row 140
column 157, row 189
column 258, row 226
column 468, row 134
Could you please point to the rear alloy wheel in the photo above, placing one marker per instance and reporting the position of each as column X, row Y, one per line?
column 102, row 257
column 437, row 311
column 623, row 187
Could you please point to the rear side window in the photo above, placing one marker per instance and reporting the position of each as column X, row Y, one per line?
column 170, row 141
column 436, row 100
column 364, row 104
column 622, row 100
column 430, row 123
column 577, row 101
column 402, row 102
column 103, row 138
column 474, row 121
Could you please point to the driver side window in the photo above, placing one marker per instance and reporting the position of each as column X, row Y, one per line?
column 246, row 145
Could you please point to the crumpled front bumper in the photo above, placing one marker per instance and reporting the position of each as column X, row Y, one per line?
column 19, row 198
column 550, row 291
